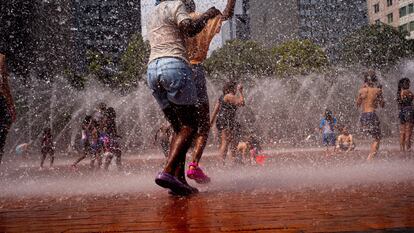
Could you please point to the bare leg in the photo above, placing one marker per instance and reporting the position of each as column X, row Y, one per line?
column 80, row 159
column 108, row 161
column 408, row 134
column 99, row 159
column 118, row 155
column 52, row 158
column 202, row 134
column 178, row 148
column 225, row 140
column 42, row 159
column 402, row 137
column 374, row 149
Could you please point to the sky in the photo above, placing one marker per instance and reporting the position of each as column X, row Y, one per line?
column 202, row 5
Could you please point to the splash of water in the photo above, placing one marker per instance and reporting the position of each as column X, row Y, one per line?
column 277, row 110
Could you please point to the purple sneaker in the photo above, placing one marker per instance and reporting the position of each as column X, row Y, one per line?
column 169, row 181
column 194, row 172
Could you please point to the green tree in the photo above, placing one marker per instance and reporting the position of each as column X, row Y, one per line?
column 239, row 58
column 98, row 63
column 299, row 57
column 134, row 61
column 376, row 46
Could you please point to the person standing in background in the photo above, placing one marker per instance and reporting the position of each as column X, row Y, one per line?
column 7, row 108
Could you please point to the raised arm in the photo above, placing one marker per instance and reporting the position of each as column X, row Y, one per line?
column 191, row 27
column 229, row 11
column 237, row 100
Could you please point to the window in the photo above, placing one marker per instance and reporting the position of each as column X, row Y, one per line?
column 412, row 26
column 390, row 18
column 403, row 28
column 376, row 8
column 403, row 11
column 389, row 2
column 411, row 8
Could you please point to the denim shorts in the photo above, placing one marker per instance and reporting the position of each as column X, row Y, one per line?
column 170, row 80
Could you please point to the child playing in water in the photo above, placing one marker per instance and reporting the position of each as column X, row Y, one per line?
column 47, row 147
column 87, row 128
column 345, row 142
column 111, row 144
column 327, row 127
column 249, row 149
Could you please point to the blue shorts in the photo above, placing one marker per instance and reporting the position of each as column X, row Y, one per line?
column 328, row 139
column 170, row 80
column 370, row 124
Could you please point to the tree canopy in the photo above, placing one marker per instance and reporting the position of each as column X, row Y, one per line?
column 299, row 57
column 376, row 46
column 239, row 57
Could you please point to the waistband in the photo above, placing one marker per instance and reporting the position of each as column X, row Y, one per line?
column 169, row 57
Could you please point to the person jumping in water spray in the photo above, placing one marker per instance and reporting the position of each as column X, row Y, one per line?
column 224, row 115
column 7, row 109
column 405, row 103
column 368, row 99
column 98, row 135
column 113, row 139
column 87, row 128
column 198, row 47
column 169, row 77
column 47, row 147
column 327, row 127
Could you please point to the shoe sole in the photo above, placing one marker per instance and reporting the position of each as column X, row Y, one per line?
column 199, row 181
column 176, row 190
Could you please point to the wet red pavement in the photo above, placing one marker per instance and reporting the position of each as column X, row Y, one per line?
column 372, row 206
column 387, row 208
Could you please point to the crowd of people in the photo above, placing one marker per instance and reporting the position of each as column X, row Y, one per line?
column 180, row 38
column 100, row 138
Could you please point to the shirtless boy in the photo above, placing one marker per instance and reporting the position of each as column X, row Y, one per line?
column 369, row 98
column 345, row 141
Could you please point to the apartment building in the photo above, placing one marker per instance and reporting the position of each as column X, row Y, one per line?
column 397, row 13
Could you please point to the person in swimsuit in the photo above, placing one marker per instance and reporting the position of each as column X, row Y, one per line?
column 327, row 127
column 345, row 141
column 368, row 99
column 224, row 115
column 405, row 104
column 197, row 49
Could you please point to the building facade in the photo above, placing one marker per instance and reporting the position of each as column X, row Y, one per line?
column 104, row 26
column 397, row 13
column 45, row 38
column 325, row 22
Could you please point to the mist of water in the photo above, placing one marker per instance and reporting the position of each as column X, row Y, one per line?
column 277, row 110
column 274, row 177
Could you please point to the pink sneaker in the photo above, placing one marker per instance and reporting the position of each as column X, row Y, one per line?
column 194, row 172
